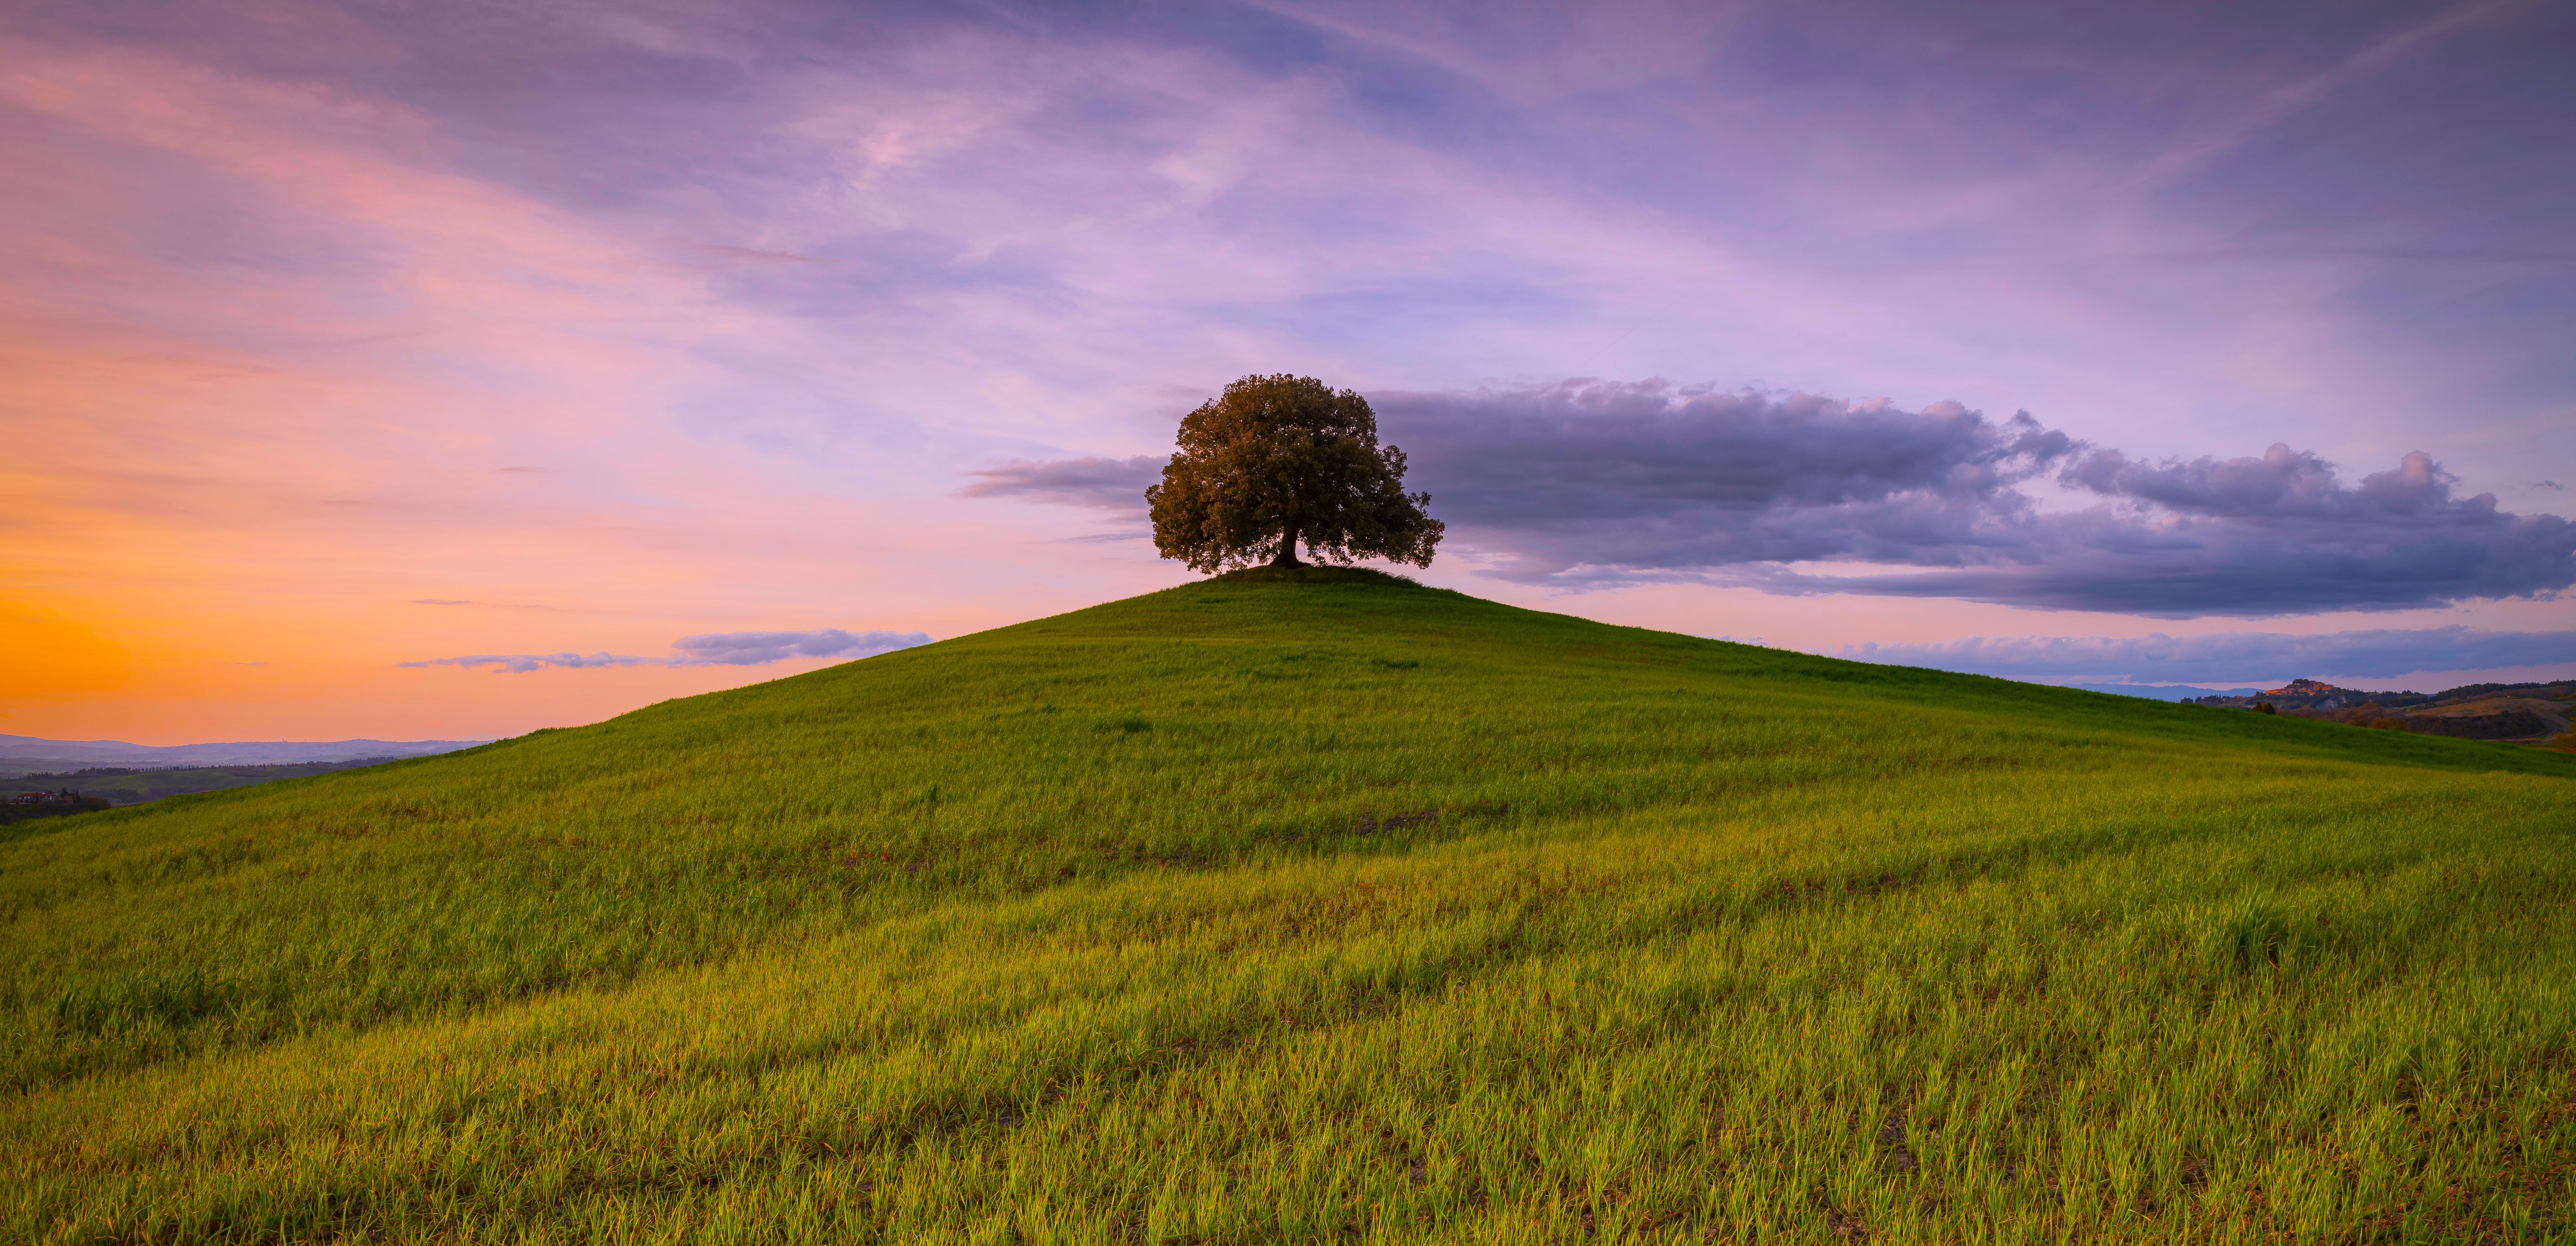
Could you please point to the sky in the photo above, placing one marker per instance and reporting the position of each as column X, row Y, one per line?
column 448, row 371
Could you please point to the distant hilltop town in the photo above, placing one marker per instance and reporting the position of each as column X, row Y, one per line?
column 2530, row 713
column 63, row 796
column 2310, row 688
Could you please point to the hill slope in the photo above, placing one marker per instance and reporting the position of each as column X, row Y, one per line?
column 1255, row 911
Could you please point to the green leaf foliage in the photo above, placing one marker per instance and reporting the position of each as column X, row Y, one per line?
column 1280, row 461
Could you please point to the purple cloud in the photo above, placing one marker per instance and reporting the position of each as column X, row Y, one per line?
column 2278, row 534
column 1582, row 482
column 1102, row 484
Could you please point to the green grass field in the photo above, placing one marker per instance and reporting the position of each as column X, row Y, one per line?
column 1078, row 931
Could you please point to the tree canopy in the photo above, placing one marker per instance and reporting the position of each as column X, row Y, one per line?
column 1277, row 461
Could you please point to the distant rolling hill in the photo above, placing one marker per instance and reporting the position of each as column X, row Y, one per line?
column 2154, row 692
column 20, row 754
column 120, row 785
column 1316, row 908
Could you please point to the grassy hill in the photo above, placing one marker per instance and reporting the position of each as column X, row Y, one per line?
column 1317, row 908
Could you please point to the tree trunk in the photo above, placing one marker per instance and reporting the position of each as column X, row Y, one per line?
column 1287, row 556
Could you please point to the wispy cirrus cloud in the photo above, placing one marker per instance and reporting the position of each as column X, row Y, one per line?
column 2230, row 655
column 1585, row 484
column 716, row 649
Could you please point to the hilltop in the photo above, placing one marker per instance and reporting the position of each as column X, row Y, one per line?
column 2527, row 713
column 1308, row 905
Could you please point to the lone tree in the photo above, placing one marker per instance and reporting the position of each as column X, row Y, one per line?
column 1282, row 459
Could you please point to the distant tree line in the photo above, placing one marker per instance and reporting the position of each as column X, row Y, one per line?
column 52, row 804
column 2510, row 725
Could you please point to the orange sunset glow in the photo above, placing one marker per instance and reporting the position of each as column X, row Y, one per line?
column 320, row 372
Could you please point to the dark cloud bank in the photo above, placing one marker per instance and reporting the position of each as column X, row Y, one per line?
column 1586, row 484
column 719, row 649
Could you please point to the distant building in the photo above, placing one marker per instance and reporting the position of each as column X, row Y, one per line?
column 2301, row 688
